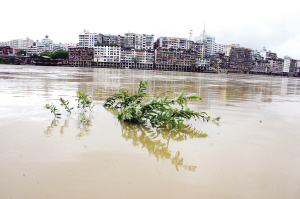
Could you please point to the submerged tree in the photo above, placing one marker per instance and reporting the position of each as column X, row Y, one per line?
column 158, row 111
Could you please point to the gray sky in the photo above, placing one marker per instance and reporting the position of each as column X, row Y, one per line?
column 252, row 24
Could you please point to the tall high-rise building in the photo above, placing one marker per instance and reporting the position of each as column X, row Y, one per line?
column 209, row 40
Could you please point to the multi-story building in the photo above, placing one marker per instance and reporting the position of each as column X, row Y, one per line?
column 256, row 55
column 48, row 44
column 31, row 50
column 37, row 49
column 261, row 66
column 66, row 46
column 112, row 39
column 57, row 47
column 267, row 54
column 139, row 41
column 4, row 43
column 107, row 53
column 6, row 50
column 172, row 43
column 203, row 63
column 219, row 62
column 297, row 65
column 199, row 48
column 137, row 58
column 175, row 59
column 209, row 40
column 20, row 43
column 89, row 39
column 276, row 65
column 239, row 57
column 289, row 64
column 219, row 48
column 81, row 56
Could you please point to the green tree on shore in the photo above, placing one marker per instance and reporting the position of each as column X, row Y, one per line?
column 60, row 54
column 21, row 52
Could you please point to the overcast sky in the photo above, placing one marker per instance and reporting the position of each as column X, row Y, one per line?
column 252, row 24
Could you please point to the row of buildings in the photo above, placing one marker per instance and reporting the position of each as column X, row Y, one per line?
column 133, row 50
column 169, row 53
column 35, row 47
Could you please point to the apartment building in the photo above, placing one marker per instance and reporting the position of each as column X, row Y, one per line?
column 199, row 48
column 219, row 61
column 18, row 43
column 267, row 54
column 261, row 66
column 48, row 44
column 4, row 43
column 66, row 46
column 112, row 39
column 88, row 39
column 298, row 66
column 57, row 47
column 239, row 57
column 175, row 59
column 219, row 48
column 256, row 55
column 81, row 56
column 37, row 49
column 203, row 63
column 107, row 53
column 172, row 43
column 139, row 41
column 137, row 58
column 289, row 64
column 276, row 65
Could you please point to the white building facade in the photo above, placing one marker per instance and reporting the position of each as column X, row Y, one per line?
column 107, row 53
column 88, row 39
column 172, row 43
column 139, row 41
column 219, row 48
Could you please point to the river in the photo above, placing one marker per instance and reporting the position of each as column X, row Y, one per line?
column 253, row 152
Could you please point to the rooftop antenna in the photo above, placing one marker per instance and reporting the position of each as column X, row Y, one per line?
column 191, row 34
column 204, row 32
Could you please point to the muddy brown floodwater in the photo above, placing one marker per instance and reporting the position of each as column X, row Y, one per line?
column 253, row 153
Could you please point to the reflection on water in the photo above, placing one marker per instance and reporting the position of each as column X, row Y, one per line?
column 54, row 123
column 66, row 124
column 157, row 141
column 84, row 124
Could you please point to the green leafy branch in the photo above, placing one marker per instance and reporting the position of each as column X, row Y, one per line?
column 65, row 103
column 158, row 111
column 84, row 100
column 53, row 110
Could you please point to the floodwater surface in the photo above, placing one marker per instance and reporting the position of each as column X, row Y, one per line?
column 253, row 152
